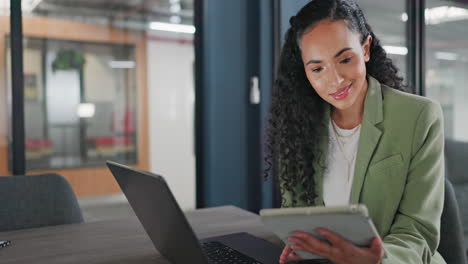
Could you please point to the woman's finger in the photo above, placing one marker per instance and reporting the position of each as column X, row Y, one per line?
column 288, row 255
column 285, row 254
column 311, row 244
column 293, row 256
column 336, row 240
column 377, row 248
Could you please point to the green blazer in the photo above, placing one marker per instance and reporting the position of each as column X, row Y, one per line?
column 399, row 173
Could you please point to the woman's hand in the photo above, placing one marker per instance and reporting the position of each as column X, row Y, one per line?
column 288, row 255
column 339, row 250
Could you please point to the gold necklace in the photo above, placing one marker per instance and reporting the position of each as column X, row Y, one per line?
column 341, row 147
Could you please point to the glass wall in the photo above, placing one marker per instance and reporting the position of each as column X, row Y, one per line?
column 5, row 121
column 80, row 102
column 84, row 90
column 447, row 63
column 446, row 81
column 388, row 21
column 98, row 75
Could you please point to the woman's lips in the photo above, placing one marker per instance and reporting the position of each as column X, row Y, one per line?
column 342, row 93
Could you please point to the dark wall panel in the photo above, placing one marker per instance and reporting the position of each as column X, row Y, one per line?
column 235, row 41
column 266, row 74
column 225, row 62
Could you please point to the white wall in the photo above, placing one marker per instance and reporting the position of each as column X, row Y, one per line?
column 171, row 117
column 101, row 82
column 61, row 85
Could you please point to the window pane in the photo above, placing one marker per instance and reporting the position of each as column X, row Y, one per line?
column 88, row 94
column 79, row 103
column 388, row 21
column 5, row 71
column 79, row 97
column 447, row 63
column 82, row 81
column 446, row 82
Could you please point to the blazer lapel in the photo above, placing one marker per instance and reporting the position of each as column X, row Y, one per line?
column 369, row 135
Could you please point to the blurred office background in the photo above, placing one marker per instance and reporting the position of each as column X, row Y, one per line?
column 118, row 80
column 99, row 81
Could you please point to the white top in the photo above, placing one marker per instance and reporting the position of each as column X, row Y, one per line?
column 341, row 160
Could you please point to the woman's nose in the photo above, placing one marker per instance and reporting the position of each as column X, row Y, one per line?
column 335, row 78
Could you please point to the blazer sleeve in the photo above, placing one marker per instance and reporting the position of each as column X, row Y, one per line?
column 414, row 234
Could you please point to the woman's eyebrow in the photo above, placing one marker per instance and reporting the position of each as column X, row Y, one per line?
column 337, row 54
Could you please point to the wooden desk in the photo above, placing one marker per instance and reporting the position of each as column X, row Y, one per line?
column 119, row 241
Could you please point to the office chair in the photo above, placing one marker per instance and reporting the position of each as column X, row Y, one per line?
column 456, row 158
column 451, row 245
column 36, row 201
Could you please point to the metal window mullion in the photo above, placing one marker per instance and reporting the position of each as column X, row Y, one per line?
column 422, row 47
column 415, row 37
column 276, row 56
column 199, row 103
column 17, row 108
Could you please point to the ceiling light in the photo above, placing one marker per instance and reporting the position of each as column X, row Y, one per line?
column 404, row 17
column 441, row 14
column 180, row 28
column 446, row 56
column 397, row 50
column 122, row 64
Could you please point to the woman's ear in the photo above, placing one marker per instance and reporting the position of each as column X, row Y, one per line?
column 366, row 48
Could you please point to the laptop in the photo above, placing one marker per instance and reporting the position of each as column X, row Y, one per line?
column 166, row 225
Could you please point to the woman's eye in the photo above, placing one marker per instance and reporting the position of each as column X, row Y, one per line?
column 346, row 60
column 319, row 69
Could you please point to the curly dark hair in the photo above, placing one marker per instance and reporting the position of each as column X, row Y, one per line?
column 297, row 111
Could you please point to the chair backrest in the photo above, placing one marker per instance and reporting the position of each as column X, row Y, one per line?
column 456, row 157
column 451, row 245
column 37, row 200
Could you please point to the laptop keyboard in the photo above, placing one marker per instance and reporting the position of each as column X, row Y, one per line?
column 219, row 253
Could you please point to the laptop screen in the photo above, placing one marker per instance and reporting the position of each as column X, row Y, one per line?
column 159, row 213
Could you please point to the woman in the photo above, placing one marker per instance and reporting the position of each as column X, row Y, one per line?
column 345, row 133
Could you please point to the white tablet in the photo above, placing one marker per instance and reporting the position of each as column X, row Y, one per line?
column 351, row 222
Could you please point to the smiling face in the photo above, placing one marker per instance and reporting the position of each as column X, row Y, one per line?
column 334, row 62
